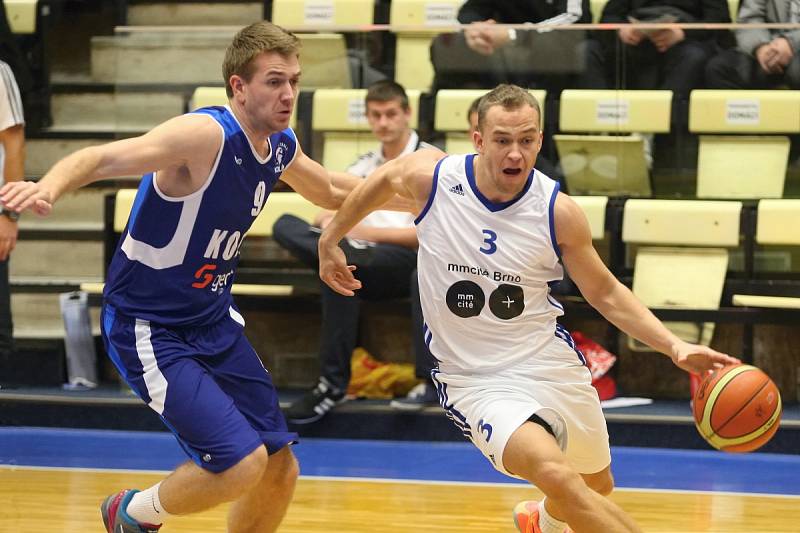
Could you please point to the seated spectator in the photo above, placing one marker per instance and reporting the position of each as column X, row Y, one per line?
column 486, row 54
column 764, row 58
column 12, row 168
column 383, row 247
column 670, row 59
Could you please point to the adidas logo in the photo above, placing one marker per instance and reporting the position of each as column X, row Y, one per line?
column 457, row 189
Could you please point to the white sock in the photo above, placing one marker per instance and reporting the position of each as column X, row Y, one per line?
column 547, row 523
column 145, row 507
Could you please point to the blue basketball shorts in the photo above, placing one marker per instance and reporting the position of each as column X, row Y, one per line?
column 207, row 384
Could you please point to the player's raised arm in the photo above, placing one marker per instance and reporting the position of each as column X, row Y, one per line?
column 409, row 177
column 175, row 143
column 614, row 300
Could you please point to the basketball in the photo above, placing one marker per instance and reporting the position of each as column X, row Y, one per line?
column 737, row 408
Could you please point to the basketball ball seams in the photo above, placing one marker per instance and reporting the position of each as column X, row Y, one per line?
column 739, row 403
column 744, row 406
column 715, row 390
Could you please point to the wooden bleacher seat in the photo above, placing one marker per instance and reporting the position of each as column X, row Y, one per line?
column 450, row 116
column 613, row 163
column 278, row 203
column 413, row 68
column 682, row 258
column 340, row 116
column 21, row 15
column 777, row 225
column 208, row 96
column 743, row 166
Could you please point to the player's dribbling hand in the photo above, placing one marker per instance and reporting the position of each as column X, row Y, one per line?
column 21, row 195
column 699, row 359
column 335, row 272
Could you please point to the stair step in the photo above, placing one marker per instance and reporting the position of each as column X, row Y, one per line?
column 195, row 13
column 61, row 258
column 80, row 209
column 38, row 316
column 44, row 153
column 114, row 110
column 160, row 57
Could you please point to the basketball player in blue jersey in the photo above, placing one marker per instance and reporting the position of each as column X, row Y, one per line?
column 169, row 321
column 493, row 234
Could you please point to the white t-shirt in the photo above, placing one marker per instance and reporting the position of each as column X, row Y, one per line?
column 366, row 164
column 484, row 270
column 10, row 107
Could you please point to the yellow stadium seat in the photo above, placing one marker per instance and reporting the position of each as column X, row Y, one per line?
column 208, row 96
column 451, row 116
column 594, row 207
column 339, row 115
column 298, row 13
column 777, row 225
column 609, row 164
column 743, row 166
column 733, row 7
column 597, row 9
column 278, row 203
column 413, row 67
column 682, row 257
column 21, row 15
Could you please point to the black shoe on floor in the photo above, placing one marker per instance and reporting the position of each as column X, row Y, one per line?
column 314, row 404
column 421, row 396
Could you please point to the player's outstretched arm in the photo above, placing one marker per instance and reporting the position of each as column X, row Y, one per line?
column 615, row 301
column 191, row 141
column 409, row 177
column 321, row 186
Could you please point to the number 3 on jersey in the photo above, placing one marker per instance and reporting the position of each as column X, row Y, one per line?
column 488, row 239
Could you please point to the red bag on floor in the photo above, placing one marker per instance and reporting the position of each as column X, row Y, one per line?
column 599, row 360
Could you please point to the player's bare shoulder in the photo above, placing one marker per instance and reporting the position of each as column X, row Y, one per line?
column 570, row 221
column 415, row 170
column 422, row 163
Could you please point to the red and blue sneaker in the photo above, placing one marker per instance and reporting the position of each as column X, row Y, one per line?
column 116, row 519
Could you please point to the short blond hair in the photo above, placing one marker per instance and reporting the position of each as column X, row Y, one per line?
column 249, row 43
column 509, row 97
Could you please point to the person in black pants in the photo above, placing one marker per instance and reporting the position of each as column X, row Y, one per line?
column 764, row 58
column 670, row 59
column 486, row 54
column 384, row 250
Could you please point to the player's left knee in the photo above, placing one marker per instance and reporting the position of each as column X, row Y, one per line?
column 602, row 482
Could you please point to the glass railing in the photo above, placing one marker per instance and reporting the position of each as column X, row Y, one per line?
column 634, row 119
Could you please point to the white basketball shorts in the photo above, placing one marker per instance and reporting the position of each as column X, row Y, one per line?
column 553, row 385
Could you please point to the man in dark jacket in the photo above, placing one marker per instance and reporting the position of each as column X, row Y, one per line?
column 486, row 54
column 671, row 59
column 764, row 58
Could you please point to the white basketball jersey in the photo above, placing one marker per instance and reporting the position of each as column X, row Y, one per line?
column 484, row 270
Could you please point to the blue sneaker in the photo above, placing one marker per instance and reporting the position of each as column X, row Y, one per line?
column 421, row 396
column 117, row 520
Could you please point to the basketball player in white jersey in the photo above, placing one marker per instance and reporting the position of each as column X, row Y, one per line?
column 169, row 321
column 493, row 235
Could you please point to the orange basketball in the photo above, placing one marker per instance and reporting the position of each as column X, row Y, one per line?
column 737, row 408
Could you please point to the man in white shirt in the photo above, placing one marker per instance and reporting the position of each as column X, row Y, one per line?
column 12, row 166
column 383, row 246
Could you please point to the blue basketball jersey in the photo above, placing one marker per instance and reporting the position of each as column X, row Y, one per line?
column 176, row 260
